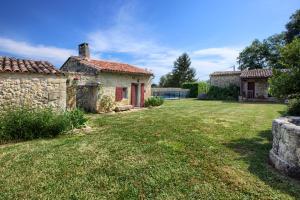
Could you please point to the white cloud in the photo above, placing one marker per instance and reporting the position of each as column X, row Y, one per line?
column 145, row 52
column 224, row 52
column 130, row 37
column 149, row 54
column 209, row 60
column 21, row 48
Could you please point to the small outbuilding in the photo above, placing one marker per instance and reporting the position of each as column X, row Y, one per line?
column 125, row 84
column 31, row 83
column 253, row 84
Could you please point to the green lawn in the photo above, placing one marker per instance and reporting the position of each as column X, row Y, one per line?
column 186, row 149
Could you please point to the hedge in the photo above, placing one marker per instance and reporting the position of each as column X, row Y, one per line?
column 26, row 123
column 195, row 88
column 228, row 93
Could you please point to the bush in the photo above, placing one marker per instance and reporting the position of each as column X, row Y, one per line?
column 195, row 88
column 228, row 93
column 202, row 87
column 25, row 123
column 154, row 101
column 106, row 104
column 294, row 107
column 76, row 118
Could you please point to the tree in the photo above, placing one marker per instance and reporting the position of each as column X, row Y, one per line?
column 274, row 44
column 165, row 81
column 264, row 54
column 154, row 85
column 293, row 27
column 182, row 72
column 286, row 83
column 253, row 56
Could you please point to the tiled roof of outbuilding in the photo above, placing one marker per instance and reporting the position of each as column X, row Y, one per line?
column 9, row 64
column 257, row 73
column 109, row 66
column 225, row 73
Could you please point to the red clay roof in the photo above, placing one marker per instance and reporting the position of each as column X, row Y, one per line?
column 109, row 66
column 9, row 64
column 257, row 73
column 225, row 73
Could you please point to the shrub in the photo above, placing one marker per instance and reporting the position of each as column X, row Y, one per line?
column 25, row 123
column 202, row 87
column 154, row 101
column 193, row 87
column 228, row 93
column 106, row 104
column 76, row 118
column 285, row 83
column 196, row 88
column 294, row 107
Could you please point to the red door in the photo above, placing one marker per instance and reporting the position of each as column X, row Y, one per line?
column 133, row 94
column 142, row 94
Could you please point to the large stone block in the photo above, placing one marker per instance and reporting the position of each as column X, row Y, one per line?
column 285, row 152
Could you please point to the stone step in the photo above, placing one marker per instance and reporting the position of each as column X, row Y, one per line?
column 123, row 108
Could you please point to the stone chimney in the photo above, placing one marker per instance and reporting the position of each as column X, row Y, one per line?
column 84, row 50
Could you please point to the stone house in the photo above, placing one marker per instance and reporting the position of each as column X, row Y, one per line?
column 253, row 83
column 123, row 83
column 31, row 83
column 225, row 78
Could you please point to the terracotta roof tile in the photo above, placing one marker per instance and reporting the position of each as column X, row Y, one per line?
column 225, row 73
column 257, row 73
column 9, row 64
column 109, row 66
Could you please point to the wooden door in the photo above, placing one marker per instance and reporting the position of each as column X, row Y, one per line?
column 251, row 89
column 142, row 95
column 133, row 94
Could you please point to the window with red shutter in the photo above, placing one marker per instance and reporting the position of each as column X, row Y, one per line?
column 119, row 93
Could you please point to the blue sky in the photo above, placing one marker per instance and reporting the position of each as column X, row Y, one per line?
column 149, row 34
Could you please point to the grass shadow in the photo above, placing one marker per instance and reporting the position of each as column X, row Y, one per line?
column 255, row 151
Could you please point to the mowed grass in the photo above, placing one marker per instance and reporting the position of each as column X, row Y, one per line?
column 186, row 149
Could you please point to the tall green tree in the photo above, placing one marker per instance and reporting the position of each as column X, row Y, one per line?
column 286, row 83
column 253, row 56
column 165, row 81
column 274, row 44
column 182, row 71
column 264, row 54
column 293, row 27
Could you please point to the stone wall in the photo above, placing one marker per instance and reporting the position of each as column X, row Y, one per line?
column 261, row 88
column 225, row 80
column 285, row 152
column 106, row 80
column 112, row 80
column 34, row 90
column 107, row 83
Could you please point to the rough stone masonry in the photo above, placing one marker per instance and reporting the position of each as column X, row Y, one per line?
column 285, row 153
column 34, row 90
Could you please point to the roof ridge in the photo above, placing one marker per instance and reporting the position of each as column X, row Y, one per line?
column 112, row 66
